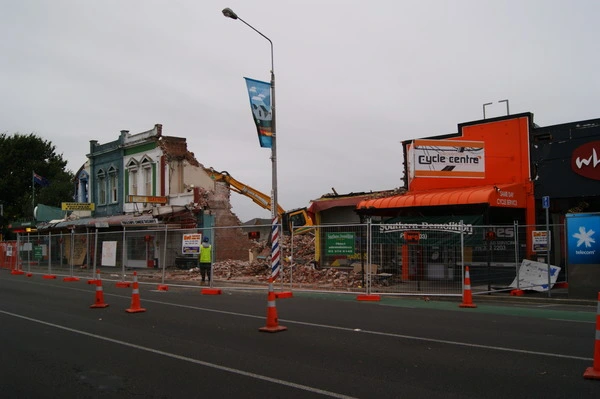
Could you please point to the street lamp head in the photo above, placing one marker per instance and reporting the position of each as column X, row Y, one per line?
column 228, row 12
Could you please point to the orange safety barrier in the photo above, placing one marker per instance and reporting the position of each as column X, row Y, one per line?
column 210, row 291
column 467, row 294
column 368, row 297
column 135, row 297
column 284, row 294
column 99, row 294
column 593, row 372
column 163, row 287
column 272, row 321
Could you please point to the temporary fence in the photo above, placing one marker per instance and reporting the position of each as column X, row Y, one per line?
column 393, row 259
column 430, row 259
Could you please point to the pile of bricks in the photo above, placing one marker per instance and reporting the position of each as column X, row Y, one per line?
column 298, row 268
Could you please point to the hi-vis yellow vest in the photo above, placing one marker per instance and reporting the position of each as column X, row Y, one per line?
column 205, row 253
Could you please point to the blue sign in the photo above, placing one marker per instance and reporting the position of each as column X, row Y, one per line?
column 582, row 238
column 545, row 202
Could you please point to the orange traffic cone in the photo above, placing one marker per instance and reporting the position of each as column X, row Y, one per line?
column 135, row 297
column 467, row 295
column 99, row 295
column 594, row 371
column 272, row 322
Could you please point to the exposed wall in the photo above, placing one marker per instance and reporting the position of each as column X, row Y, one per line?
column 230, row 240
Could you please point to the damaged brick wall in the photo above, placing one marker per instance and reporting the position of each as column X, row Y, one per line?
column 230, row 241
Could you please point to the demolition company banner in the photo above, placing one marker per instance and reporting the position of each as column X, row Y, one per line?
column 432, row 230
column 447, row 158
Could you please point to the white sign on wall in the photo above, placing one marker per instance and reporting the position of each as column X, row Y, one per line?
column 109, row 253
column 447, row 158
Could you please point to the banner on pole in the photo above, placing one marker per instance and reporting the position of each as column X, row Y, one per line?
column 260, row 104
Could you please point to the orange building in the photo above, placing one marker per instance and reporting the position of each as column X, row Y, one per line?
column 483, row 171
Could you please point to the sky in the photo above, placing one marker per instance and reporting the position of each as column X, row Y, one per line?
column 353, row 79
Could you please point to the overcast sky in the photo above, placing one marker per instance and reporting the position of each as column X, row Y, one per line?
column 353, row 78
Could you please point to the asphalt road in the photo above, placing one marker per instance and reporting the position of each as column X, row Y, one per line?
column 192, row 345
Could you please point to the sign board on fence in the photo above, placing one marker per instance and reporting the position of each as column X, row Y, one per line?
column 190, row 244
column 339, row 244
column 109, row 253
column 534, row 276
column 37, row 252
column 539, row 241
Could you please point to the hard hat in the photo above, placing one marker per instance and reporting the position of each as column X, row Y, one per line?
column 205, row 239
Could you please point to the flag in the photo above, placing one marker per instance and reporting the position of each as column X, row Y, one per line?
column 42, row 181
column 260, row 104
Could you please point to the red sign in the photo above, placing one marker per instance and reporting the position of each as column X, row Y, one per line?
column 412, row 237
column 585, row 160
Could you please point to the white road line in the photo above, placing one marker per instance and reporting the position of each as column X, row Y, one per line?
column 187, row 359
column 574, row 321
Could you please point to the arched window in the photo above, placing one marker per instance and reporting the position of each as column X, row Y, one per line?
column 132, row 170
column 113, row 185
column 146, row 166
column 101, row 187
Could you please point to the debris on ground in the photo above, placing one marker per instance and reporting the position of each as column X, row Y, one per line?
column 304, row 271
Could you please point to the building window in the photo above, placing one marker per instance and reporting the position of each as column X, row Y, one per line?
column 132, row 170
column 113, row 185
column 148, row 180
column 101, row 187
column 146, row 166
column 133, row 177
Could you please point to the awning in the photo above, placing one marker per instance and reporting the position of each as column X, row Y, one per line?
column 501, row 195
column 116, row 220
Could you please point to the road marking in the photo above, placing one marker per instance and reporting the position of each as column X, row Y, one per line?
column 187, row 359
column 574, row 321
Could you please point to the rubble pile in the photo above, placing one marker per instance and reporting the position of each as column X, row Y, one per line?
column 305, row 273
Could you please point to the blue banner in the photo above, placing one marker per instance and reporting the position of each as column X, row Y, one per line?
column 582, row 241
column 260, row 103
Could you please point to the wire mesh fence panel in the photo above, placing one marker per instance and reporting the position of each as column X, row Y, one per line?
column 329, row 257
column 417, row 261
column 492, row 255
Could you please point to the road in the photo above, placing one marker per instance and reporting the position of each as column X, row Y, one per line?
column 191, row 345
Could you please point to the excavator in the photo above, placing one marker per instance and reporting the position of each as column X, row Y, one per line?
column 299, row 219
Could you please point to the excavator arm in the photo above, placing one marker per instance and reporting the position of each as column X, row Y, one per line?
column 298, row 219
column 258, row 197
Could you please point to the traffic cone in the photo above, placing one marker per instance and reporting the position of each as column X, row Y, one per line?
column 467, row 295
column 272, row 322
column 593, row 373
column 135, row 297
column 99, row 294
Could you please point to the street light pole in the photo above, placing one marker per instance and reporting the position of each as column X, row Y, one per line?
column 275, row 250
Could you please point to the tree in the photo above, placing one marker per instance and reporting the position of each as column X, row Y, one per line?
column 20, row 156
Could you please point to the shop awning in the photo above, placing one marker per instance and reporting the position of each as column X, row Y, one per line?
column 116, row 220
column 501, row 195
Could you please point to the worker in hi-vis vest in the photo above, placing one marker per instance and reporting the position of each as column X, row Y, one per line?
column 205, row 259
